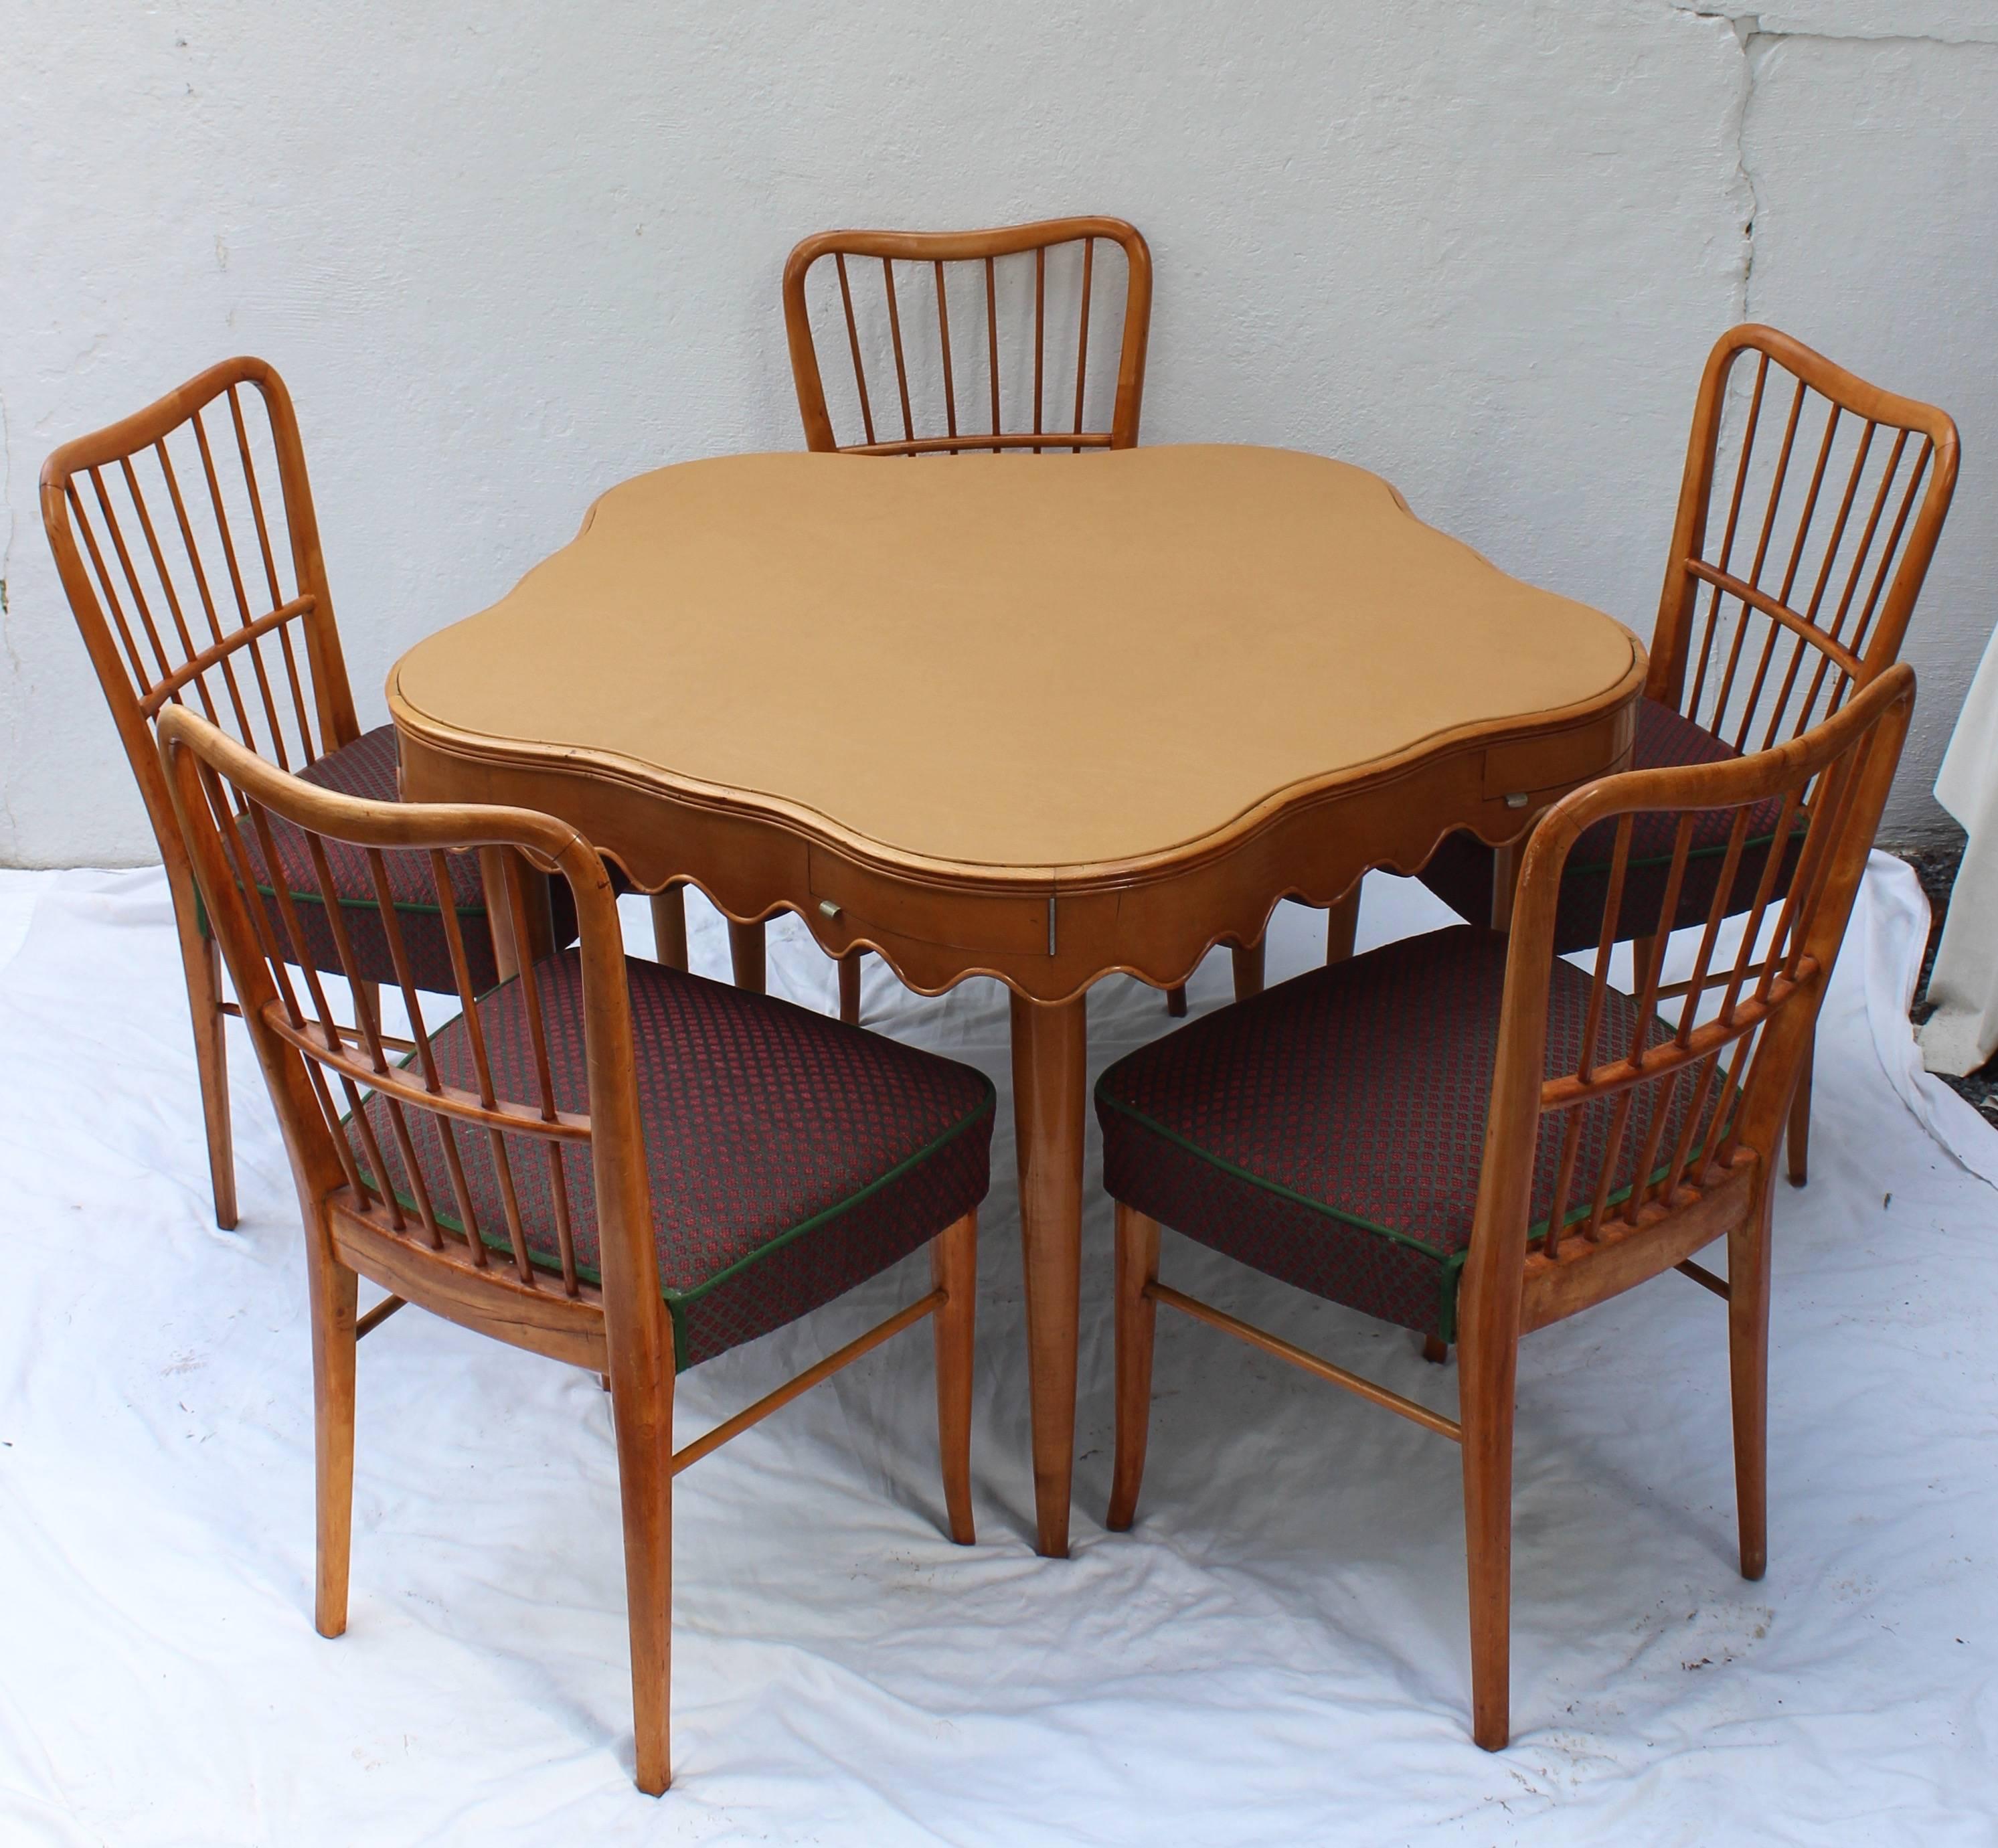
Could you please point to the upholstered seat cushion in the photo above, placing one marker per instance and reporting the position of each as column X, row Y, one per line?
column 1460, row 871
column 791, row 1157
column 1330, row 1131
column 367, row 767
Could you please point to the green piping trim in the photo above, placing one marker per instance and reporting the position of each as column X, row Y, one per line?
column 677, row 1302
column 1269, row 1186
column 1451, row 1262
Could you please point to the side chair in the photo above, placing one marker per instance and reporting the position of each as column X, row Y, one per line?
column 1468, row 1135
column 604, row 1161
column 1809, row 512
column 187, row 544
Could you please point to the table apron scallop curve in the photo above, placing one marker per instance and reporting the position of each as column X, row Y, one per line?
column 1048, row 933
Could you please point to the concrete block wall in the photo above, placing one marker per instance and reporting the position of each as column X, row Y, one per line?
column 509, row 256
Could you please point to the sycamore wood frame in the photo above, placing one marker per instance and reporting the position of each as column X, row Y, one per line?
column 355, row 1228
column 1743, row 1064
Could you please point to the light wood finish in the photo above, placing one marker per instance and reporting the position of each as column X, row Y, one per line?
column 977, row 260
column 440, row 1255
column 719, row 681
column 187, row 547
column 1342, row 1377
column 1137, row 1316
column 1717, row 1086
column 1808, row 516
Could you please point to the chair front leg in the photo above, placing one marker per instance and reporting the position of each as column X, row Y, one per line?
column 1748, row 1269
column 1487, row 1373
column 1137, row 1318
column 954, row 1270
column 641, row 1409
column 334, row 1289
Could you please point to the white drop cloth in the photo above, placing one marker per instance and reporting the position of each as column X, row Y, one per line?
column 1962, row 1033
column 1276, row 1654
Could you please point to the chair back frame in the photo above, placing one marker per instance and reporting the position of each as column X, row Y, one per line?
column 148, row 645
column 311, row 1062
column 1827, row 560
column 937, row 249
column 1742, row 1064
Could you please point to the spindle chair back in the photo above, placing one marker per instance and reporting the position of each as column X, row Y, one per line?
column 1809, row 509
column 1624, row 1131
column 186, row 542
column 500, row 1206
column 1808, row 518
column 996, row 391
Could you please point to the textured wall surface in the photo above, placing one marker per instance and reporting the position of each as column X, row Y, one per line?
column 1482, row 249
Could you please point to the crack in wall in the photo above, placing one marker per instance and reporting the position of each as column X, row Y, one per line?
column 1757, row 39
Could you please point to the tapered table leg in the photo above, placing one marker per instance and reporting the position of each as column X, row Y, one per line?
column 1049, row 1045
column 1248, row 970
column 745, row 954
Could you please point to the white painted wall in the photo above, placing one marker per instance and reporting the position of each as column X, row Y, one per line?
column 509, row 258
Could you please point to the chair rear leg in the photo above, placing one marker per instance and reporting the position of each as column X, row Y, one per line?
column 1485, row 1388
column 954, row 1270
column 669, row 943
column 203, row 959
column 333, row 1289
column 642, row 1412
column 1797, row 1138
column 1137, row 1318
column 849, row 987
column 1748, row 1269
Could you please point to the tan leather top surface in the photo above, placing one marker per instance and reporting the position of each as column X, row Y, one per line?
column 1010, row 660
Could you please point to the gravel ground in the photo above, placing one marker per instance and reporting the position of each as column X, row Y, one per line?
column 1936, row 867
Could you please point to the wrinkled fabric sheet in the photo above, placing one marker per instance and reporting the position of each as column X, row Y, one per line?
column 1962, row 1032
column 1276, row 1654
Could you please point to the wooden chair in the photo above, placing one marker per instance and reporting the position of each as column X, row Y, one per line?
column 988, row 273
column 1473, row 1139
column 607, row 1162
column 1809, row 510
column 192, row 581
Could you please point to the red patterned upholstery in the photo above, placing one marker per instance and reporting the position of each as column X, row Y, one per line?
column 1330, row 1131
column 1460, row 871
column 367, row 767
column 791, row 1157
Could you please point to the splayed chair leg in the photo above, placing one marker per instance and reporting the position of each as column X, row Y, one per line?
column 954, row 1270
column 1137, row 1318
